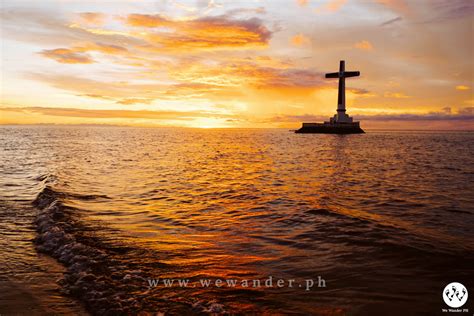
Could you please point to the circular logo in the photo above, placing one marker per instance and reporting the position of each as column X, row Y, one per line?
column 455, row 294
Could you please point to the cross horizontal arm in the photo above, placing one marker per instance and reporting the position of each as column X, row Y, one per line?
column 351, row 74
column 332, row 75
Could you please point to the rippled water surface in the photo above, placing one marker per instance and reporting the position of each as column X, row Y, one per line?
column 385, row 218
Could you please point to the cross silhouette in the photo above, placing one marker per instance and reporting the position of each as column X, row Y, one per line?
column 342, row 75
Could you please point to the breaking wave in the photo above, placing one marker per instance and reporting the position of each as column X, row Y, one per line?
column 105, row 284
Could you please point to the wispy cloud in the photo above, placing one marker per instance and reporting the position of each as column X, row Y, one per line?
column 396, row 95
column 100, row 47
column 120, row 91
column 193, row 78
column 463, row 114
column 67, row 56
column 128, row 101
column 92, row 18
column 76, row 55
column 108, row 114
column 362, row 92
column 246, row 73
column 392, row 21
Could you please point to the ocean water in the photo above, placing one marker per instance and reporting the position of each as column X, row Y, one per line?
column 89, row 215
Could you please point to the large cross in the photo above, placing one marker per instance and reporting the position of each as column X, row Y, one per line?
column 342, row 75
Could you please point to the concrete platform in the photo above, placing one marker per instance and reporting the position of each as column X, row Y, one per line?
column 331, row 128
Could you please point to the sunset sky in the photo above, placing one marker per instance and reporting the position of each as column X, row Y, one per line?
column 237, row 63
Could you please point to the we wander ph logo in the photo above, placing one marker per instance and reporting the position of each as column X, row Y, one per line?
column 455, row 294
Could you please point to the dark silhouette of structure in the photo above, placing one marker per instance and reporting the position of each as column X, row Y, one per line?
column 340, row 123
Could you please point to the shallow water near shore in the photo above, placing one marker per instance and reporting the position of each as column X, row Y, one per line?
column 385, row 218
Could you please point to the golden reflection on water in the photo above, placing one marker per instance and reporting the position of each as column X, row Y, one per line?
column 213, row 191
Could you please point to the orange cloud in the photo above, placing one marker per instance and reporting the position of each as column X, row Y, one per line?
column 135, row 101
column 218, row 32
column 100, row 47
column 396, row 95
column 331, row 6
column 93, row 18
column 364, row 45
column 67, row 56
column 75, row 55
column 95, row 96
column 462, row 87
column 146, row 20
column 300, row 40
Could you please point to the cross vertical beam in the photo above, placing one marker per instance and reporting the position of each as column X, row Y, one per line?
column 342, row 75
column 341, row 96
